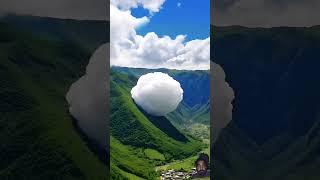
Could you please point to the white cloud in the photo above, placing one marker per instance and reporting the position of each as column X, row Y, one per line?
column 124, row 4
column 123, row 24
column 157, row 93
column 221, row 99
column 178, row 4
column 194, row 55
column 151, row 51
column 151, row 5
column 89, row 105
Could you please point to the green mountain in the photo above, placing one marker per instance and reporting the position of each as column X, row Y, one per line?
column 193, row 113
column 195, row 106
column 133, row 132
column 38, row 137
column 274, row 73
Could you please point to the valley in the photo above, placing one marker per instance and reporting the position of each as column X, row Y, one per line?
column 155, row 147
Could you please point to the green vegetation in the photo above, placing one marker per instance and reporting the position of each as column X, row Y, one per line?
column 153, row 154
column 87, row 33
column 198, row 130
column 38, row 140
column 184, row 164
column 138, row 143
column 195, row 107
column 130, row 160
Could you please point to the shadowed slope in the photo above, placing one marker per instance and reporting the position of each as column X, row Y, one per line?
column 165, row 126
column 38, row 140
column 275, row 129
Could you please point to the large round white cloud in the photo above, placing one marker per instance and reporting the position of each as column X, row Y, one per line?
column 157, row 93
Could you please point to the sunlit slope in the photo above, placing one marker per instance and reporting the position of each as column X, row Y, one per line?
column 134, row 130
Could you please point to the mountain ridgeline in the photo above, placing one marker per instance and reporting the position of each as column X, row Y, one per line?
column 195, row 106
column 87, row 33
column 274, row 133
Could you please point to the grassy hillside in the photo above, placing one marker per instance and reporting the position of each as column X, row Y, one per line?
column 134, row 131
column 38, row 140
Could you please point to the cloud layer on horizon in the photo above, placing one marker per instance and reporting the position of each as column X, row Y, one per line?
column 151, row 51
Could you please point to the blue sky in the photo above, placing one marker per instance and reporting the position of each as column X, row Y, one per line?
column 192, row 18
